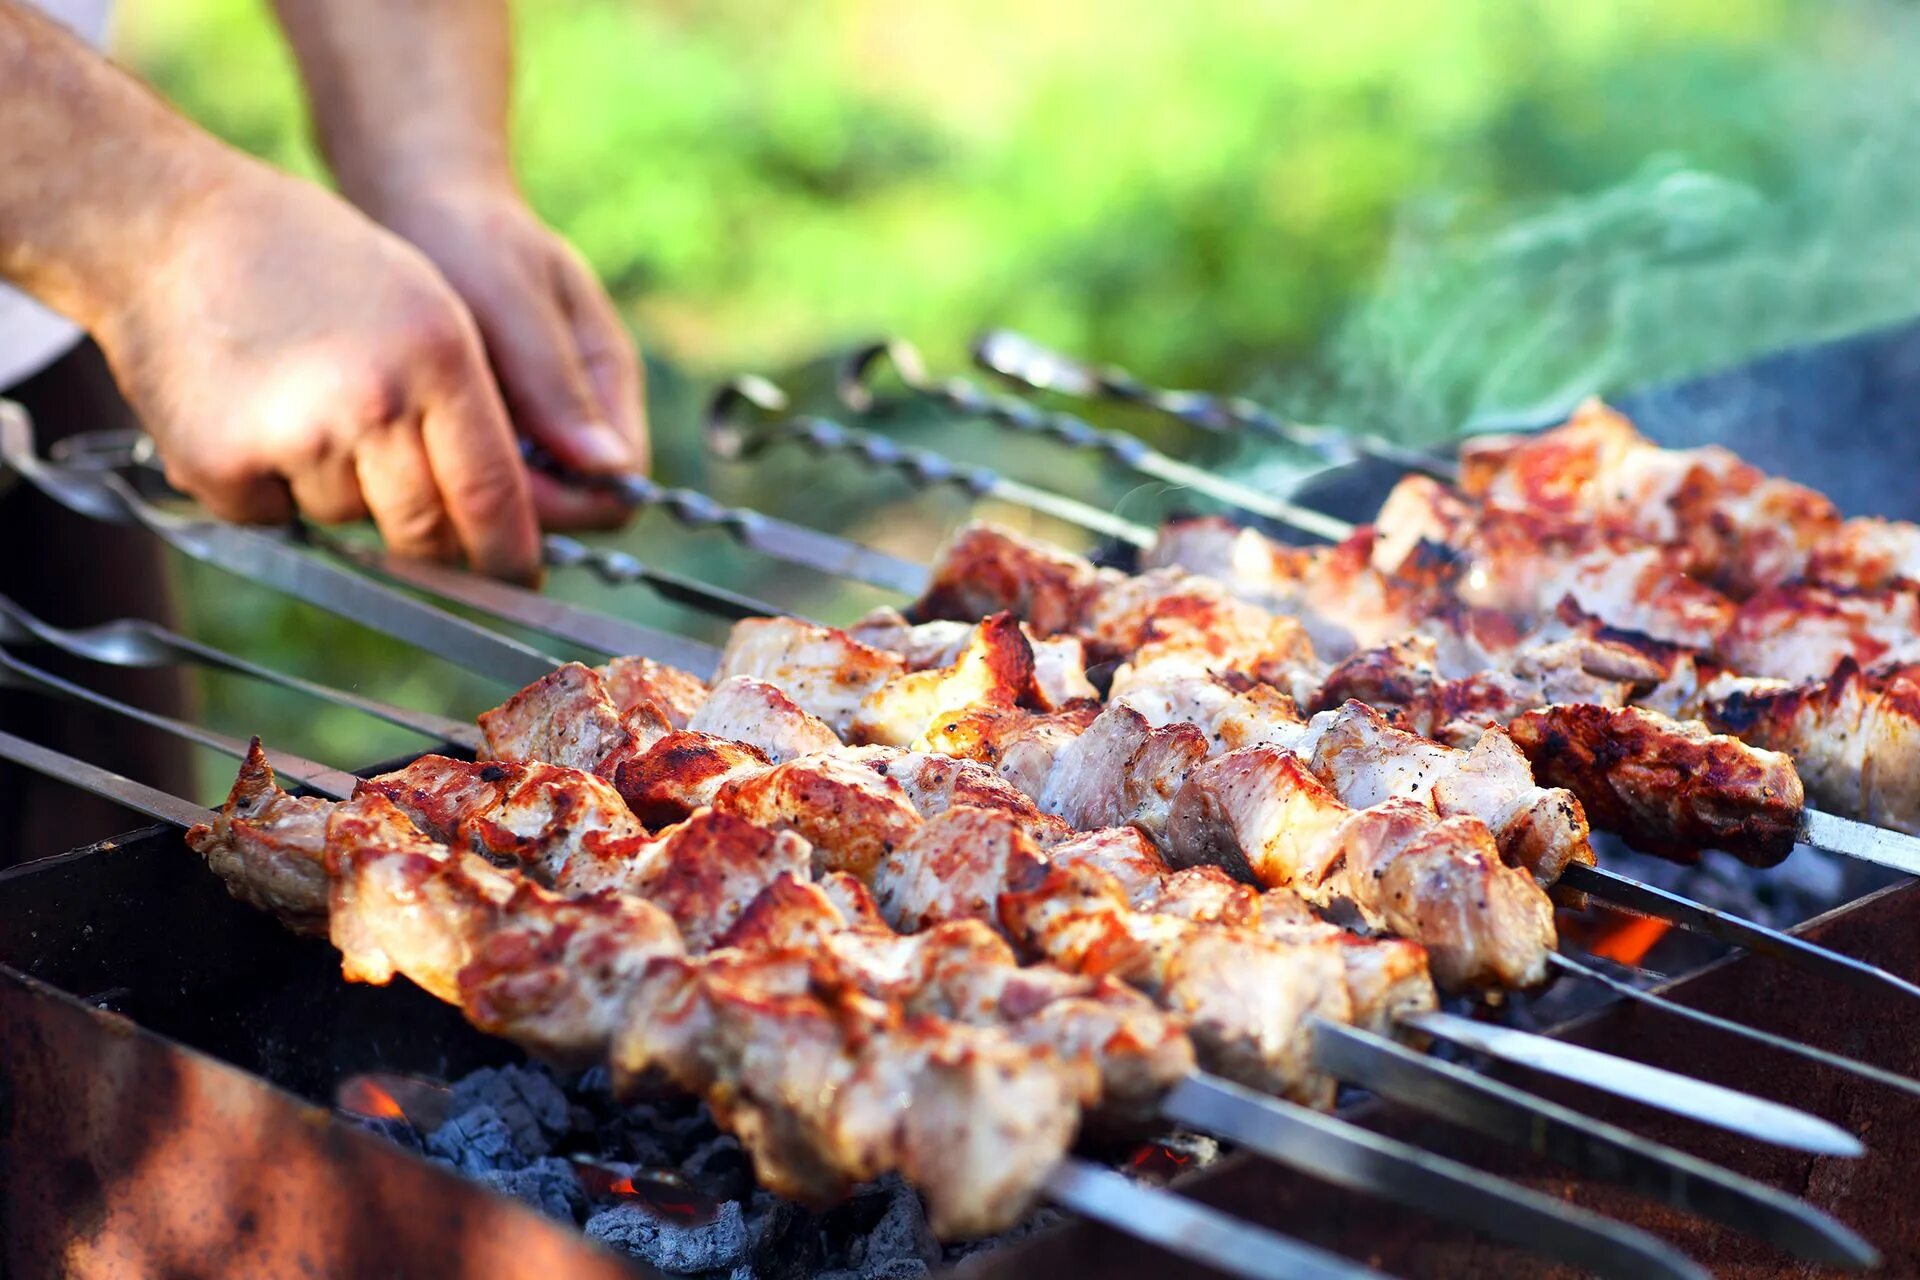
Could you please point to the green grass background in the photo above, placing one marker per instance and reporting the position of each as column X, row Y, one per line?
column 1403, row 215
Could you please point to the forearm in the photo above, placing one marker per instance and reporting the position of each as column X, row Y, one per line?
column 405, row 92
column 96, row 173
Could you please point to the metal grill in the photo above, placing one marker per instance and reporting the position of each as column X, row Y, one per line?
column 1704, row 1027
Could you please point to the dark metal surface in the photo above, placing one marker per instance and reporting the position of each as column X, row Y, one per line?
column 1585, row 1146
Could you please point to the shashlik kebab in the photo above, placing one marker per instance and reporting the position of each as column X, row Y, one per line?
column 1750, row 802
column 818, row 663
column 399, row 880
column 1104, row 1041
column 1430, row 559
column 1651, row 587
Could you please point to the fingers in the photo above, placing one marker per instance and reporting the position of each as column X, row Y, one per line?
column 476, row 466
column 571, row 506
column 612, row 364
column 545, row 382
column 397, row 479
column 328, row 490
column 259, row 499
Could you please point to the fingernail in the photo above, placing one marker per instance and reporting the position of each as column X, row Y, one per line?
column 598, row 447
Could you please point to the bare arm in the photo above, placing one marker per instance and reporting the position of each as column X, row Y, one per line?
column 98, row 172
column 282, row 349
column 409, row 103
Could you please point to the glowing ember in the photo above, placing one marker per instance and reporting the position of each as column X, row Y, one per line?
column 382, row 1095
column 664, row 1192
column 1158, row 1162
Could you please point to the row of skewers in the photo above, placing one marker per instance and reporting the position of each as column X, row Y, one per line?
column 994, row 796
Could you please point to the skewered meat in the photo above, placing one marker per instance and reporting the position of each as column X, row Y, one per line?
column 985, row 570
column 1261, row 813
column 829, row 1087
column 1248, row 1001
column 824, row 1085
column 1852, row 735
column 1122, row 772
column 825, row 671
column 853, row 816
column 995, row 669
column 762, row 716
column 567, row 718
column 937, row 783
column 549, row 972
column 1367, row 761
column 675, row 694
column 1059, row 663
column 267, row 846
column 1804, row 632
column 682, row 772
column 1678, row 787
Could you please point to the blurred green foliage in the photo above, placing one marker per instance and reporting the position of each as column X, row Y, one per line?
column 1403, row 214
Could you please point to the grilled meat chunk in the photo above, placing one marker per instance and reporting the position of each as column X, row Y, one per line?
column 567, row 718
column 1264, row 816
column 759, row 714
column 1248, row 1001
column 827, row 1087
column 549, row 972
column 936, row 783
column 682, row 772
column 1854, row 736
column 632, row 682
column 1671, row 787
column 851, row 815
column 989, row 569
column 953, row 868
column 1868, row 554
column 825, row 671
column 1803, row 632
column 1122, row 771
column 1366, row 761
column 995, row 669
column 269, row 846
column 1019, row 745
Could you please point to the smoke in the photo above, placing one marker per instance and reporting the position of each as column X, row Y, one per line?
column 1678, row 269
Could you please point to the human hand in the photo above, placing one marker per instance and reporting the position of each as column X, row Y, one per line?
column 566, row 367
column 284, row 351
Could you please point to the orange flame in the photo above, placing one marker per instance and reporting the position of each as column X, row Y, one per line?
column 1628, row 941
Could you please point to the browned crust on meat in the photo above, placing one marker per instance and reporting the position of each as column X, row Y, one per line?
column 1665, row 789
column 658, row 784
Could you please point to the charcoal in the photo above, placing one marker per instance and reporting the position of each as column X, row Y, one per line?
column 900, row 1244
column 786, row 1239
column 392, row 1128
column 548, row 1184
column 525, row 1097
column 477, row 1141
column 720, row 1168
column 673, row 1247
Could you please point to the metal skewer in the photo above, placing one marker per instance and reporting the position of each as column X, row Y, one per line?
column 1024, row 362
column 135, row 642
column 972, row 400
column 1330, row 1149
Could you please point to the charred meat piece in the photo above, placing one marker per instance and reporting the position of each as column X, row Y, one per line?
column 1671, row 787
